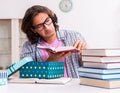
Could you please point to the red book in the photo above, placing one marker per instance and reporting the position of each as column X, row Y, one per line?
column 59, row 49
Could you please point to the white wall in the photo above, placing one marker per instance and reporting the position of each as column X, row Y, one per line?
column 97, row 20
column 100, row 22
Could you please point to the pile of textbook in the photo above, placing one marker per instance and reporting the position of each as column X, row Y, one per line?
column 101, row 68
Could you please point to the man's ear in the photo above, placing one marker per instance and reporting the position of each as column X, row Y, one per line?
column 33, row 30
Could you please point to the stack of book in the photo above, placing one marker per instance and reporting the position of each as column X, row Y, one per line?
column 3, row 77
column 101, row 68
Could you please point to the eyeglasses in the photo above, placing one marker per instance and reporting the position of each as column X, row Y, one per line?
column 40, row 26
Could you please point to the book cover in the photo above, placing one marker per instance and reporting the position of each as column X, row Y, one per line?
column 99, row 76
column 101, row 58
column 16, row 66
column 43, row 70
column 100, row 83
column 102, row 65
column 101, row 52
column 98, row 70
column 59, row 49
column 40, row 81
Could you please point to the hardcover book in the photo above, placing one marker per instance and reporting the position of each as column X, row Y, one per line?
column 103, row 59
column 59, row 49
column 100, row 83
column 102, row 65
column 98, row 70
column 42, row 70
column 3, row 77
column 100, row 76
column 16, row 66
column 101, row 52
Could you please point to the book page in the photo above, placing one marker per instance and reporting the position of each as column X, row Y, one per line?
column 65, row 48
column 46, row 47
column 59, row 49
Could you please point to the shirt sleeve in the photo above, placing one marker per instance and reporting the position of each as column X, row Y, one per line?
column 79, row 36
column 27, row 50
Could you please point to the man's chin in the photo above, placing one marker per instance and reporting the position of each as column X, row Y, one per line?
column 49, row 36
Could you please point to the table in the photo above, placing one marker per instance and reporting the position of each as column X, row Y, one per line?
column 71, row 87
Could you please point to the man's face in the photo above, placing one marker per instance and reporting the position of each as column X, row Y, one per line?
column 43, row 25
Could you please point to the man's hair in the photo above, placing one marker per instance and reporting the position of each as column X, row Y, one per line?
column 27, row 21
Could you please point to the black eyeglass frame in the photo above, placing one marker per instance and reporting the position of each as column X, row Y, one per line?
column 41, row 25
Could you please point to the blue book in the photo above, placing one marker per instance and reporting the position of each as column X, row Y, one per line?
column 100, row 76
column 42, row 70
column 3, row 77
column 16, row 66
column 99, row 70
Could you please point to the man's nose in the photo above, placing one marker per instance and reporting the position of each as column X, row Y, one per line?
column 46, row 26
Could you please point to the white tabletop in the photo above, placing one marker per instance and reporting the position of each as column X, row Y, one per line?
column 71, row 87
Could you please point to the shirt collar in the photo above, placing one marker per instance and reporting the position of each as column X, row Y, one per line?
column 60, row 35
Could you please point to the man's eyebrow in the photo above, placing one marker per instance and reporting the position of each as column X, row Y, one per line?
column 43, row 21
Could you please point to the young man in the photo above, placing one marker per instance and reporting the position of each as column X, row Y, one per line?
column 40, row 24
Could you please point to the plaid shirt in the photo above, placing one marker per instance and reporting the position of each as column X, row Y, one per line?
column 68, row 38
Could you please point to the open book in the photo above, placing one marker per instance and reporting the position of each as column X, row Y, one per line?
column 59, row 49
column 40, row 81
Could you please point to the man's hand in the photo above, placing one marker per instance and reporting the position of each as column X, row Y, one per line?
column 57, row 56
column 80, row 45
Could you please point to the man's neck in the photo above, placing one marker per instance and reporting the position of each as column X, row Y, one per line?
column 50, row 39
